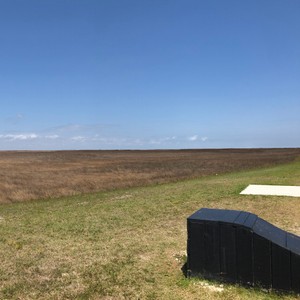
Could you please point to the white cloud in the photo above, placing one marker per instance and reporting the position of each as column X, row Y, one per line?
column 155, row 142
column 170, row 138
column 90, row 137
column 23, row 137
column 193, row 138
column 78, row 138
column 159, row 141
column 52, row 137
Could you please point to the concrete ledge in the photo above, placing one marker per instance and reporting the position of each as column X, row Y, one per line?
column 272, row 190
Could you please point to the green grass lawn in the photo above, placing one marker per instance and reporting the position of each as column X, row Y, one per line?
column 129, row 244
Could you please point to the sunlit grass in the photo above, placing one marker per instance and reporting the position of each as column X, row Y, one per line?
column 129, row 244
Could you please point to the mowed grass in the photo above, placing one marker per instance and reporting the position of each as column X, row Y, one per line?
column 129, row 244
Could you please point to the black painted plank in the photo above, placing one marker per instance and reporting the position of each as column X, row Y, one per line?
column 281, row 268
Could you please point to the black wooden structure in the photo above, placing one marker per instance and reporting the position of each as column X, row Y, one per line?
column 238, row 246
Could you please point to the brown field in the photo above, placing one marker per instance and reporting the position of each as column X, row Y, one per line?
column 29, row 175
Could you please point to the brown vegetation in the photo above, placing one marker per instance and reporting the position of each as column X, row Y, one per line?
column 34, row 175
column 131, row 243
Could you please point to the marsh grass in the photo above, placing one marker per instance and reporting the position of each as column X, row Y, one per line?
column 130, row 243
column 39, row 175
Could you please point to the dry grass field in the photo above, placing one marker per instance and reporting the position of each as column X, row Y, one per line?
column 36, row 175
column 131, row 243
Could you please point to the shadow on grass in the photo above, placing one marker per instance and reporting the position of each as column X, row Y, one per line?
column 256, row 288
column 184, row 270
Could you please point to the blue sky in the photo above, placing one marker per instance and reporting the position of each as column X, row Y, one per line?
column 107, row 74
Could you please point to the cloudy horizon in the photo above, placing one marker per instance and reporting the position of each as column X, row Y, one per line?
column 85, row 137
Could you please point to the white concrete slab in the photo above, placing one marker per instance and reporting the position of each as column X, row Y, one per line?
column 272, row 190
